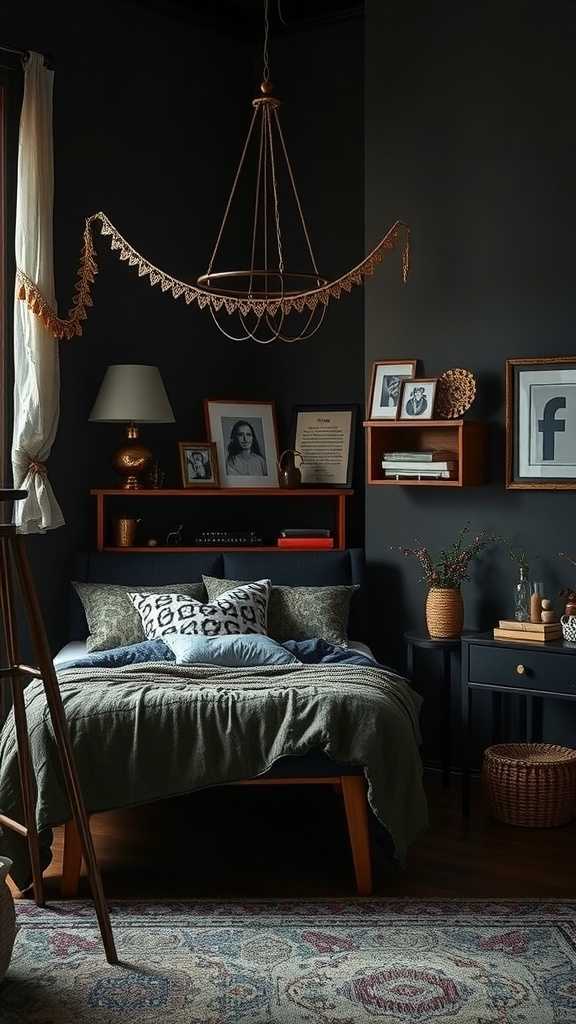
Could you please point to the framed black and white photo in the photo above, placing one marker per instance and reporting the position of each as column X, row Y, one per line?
column 198, row 464
column 417, row 399
column 386, row 387
column 324, row 435
column 541, row 423
column 246, row 441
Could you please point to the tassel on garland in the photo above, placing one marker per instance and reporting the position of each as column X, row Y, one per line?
column 71, row 325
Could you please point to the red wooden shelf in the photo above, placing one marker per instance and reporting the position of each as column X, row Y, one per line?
column 228, row 492
column 336, row 494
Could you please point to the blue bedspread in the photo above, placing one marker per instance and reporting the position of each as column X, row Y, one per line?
column 309, row 652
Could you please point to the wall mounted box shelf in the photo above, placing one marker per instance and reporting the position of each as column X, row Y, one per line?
column 465, row 439
column 106, row 498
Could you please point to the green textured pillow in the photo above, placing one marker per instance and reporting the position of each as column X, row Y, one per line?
column 112, row 619
column 300, row 613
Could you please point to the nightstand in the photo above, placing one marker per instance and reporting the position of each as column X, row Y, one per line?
column 450, row 651
column 535, row 671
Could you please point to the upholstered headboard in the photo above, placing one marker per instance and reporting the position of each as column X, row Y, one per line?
column 294, row 568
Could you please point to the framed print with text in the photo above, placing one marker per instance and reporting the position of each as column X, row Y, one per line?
column 325, row 437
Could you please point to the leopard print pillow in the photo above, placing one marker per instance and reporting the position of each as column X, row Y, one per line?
column 242, row 609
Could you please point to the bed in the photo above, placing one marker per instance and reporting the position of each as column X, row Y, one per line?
column 353, row 726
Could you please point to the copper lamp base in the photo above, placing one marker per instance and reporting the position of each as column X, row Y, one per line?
column 132, row 461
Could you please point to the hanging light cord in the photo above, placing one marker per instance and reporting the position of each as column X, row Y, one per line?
column 265, row 54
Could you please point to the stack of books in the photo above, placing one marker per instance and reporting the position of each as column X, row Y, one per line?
column 528, row 632
column 424, row 465
column 306, row 539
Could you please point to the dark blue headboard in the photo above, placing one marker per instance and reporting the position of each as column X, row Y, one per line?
column 304, row 568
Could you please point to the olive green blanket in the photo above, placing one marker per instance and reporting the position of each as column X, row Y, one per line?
column 148, row 731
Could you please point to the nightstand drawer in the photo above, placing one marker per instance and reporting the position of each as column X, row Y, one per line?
column 530, row 670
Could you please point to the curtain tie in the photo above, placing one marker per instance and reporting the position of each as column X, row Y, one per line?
column 37, row 468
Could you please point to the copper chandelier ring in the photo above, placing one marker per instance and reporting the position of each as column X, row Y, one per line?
column 289, row 283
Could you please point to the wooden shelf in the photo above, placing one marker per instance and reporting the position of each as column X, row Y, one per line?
column 227, row 492
column 464, row 438
column 336, row 495
column 205, row 547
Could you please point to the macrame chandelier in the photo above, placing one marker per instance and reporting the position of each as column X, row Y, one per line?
column 266, row 301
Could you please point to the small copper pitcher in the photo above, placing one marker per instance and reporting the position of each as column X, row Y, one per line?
column 289, row 474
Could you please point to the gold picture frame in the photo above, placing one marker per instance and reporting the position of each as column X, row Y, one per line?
column 199, row 464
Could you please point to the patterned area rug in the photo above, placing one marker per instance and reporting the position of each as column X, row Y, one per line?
column 319, row 962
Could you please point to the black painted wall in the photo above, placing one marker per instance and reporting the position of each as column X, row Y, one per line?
column 150, row 116
column 469, row 138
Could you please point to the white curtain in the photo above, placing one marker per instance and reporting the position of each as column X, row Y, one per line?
column 36, row 355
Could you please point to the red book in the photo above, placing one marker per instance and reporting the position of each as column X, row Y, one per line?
column 306, row 543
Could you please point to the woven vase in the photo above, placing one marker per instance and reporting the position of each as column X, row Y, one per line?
column 7, row 918
column 444, row 612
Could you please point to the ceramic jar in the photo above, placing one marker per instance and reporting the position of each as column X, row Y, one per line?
column 7, row 918
column 444, row 612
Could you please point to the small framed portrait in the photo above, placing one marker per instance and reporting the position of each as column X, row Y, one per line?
column 417, row 399
column 246, row 440
column 386, row 386
column 198, row 464
column 541, row 423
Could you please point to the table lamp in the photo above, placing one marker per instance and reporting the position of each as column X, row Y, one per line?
column 132, row 394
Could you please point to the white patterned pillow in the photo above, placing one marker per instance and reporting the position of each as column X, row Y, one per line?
column 244, row 609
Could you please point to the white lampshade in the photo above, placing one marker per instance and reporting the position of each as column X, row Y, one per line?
column 132, row 394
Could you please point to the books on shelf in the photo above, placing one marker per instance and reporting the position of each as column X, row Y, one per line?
column 306, row 543
column 420, row 467
column 419, row 474
column 528, row 632
column 427, row 455
column 304, row 533
column 428, row 464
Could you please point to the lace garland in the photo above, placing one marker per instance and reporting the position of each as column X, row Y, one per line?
column 71, row 325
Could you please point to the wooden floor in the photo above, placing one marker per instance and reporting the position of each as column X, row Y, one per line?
column 292, row 842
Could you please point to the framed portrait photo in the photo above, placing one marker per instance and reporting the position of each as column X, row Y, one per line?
column 198, row 464
column 386, row 386
column 324, row 435
column 417, row 398
column 246, row 440
column 541, row 423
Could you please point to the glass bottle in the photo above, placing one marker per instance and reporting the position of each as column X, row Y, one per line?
column 522, row 596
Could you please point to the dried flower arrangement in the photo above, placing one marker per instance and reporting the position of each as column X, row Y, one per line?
column 449, row 568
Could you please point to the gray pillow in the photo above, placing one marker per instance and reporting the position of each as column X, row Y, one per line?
column 300, row 613
column 112, row 619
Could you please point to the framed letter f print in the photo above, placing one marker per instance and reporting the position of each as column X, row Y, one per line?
column 541, row 423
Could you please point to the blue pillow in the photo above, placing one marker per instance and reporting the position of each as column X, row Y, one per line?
column 238, row 650
column 116, row 657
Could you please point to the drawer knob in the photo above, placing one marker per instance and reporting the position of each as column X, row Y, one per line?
column 520, row 670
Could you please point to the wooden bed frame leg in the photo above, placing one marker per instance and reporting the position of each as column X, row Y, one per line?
column 71, row 861
column 356, row 807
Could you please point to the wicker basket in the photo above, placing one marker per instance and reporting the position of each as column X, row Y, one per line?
column 531, row 784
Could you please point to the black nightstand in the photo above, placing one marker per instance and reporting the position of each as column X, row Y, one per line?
column 450, row 651
column 533, row 670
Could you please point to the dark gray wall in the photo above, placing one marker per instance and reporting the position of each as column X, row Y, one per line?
column 469, row 138
column 150, row 116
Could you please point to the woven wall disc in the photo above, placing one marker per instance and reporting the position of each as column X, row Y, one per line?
column 455, row 393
